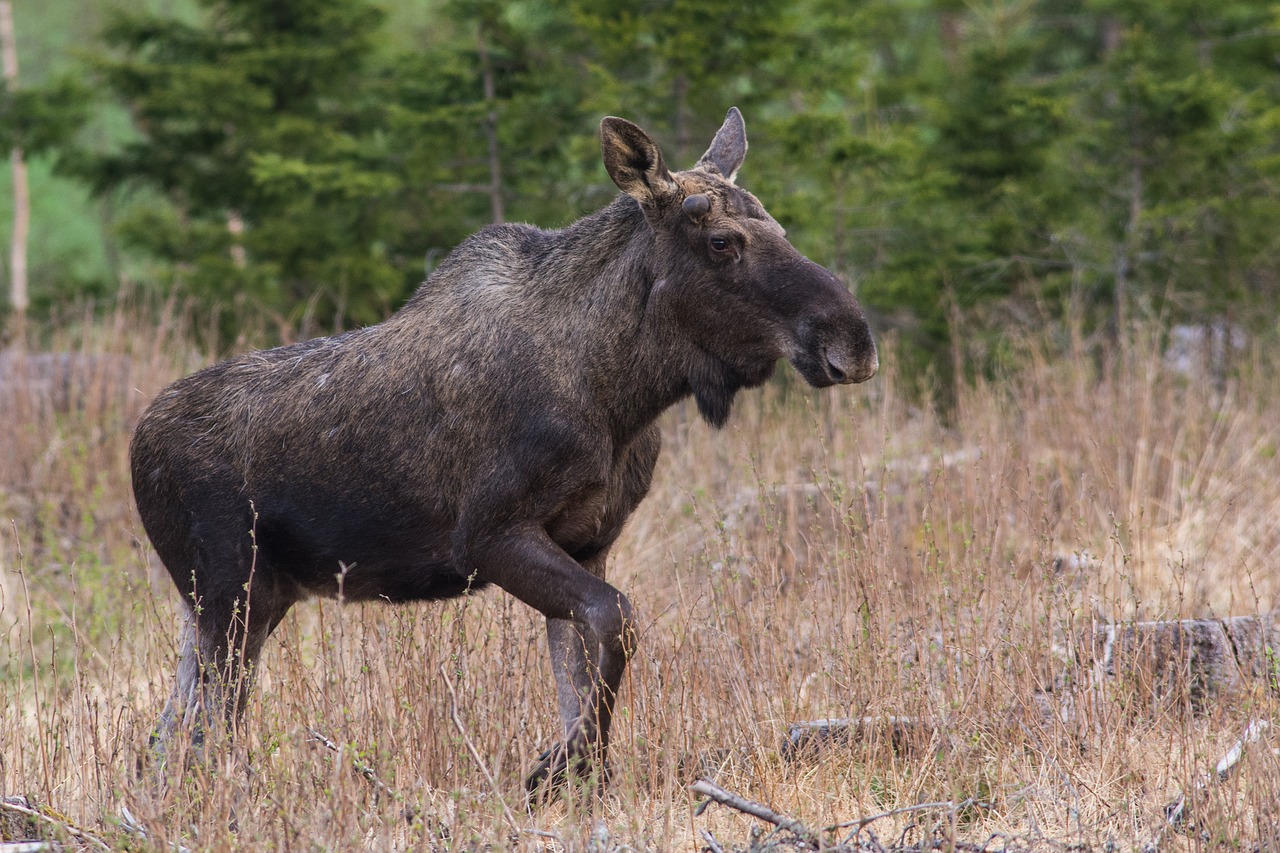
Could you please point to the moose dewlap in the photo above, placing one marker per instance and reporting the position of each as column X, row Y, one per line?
column 498, row 429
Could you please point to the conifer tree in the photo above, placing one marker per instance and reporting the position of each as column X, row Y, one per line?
column 255, row 127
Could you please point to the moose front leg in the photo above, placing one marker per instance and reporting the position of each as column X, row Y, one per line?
column 586, row 697
column 591, row 631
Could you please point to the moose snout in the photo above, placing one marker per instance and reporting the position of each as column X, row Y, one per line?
column 834, row 337
column 846, row 348
column 836, row 353
column 848, row 367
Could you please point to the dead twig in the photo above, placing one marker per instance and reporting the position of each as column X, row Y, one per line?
column 356, row 764
column 475, row 755
column 712, row 845
column 733, row 801
column 133, row 826
column 861, row 823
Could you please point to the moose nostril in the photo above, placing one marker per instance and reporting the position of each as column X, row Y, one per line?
column 836, row 373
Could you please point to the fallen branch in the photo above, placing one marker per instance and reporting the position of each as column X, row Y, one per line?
column 733, row 801
column 1177, row 813
column 1201, row 659
column 937, row 841
column 23, row 806
column 811, row 736
column 1198, row 658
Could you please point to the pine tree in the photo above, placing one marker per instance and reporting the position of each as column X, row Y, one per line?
column 256, row 128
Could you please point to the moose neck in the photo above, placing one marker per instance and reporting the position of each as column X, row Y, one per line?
column 630, row 348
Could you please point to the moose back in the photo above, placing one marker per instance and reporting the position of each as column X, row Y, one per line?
column 497, row 430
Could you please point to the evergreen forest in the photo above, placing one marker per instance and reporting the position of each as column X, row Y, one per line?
column 308, row 162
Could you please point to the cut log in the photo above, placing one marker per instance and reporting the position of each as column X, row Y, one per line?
column 1165, row 663
column 901, row 734
column 1193, row 659
column 47, row 383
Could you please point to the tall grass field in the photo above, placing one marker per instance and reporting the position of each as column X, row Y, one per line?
column 846, row 554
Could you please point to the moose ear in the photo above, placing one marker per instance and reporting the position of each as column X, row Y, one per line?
column 729, row 147
column 634, row 162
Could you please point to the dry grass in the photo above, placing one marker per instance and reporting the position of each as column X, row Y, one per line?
column 840, row 554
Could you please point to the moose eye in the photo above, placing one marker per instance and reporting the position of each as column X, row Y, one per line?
column 719, row 244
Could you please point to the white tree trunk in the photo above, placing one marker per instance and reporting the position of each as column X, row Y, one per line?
column 21, row 198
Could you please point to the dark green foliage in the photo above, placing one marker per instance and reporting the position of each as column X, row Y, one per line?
column 38, row 119
column 255, row 126
column 675, row 65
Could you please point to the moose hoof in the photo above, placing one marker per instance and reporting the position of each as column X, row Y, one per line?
column 546, row 777
column 554, row 773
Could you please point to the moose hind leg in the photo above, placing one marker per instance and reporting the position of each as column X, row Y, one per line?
column 219, row 647
column 183, row 701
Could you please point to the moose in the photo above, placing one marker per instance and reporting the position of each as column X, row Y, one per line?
column 497, row 430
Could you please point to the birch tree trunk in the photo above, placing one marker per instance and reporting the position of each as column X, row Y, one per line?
column 21, row 199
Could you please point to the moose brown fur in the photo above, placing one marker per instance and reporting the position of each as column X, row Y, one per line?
column 498, row 429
